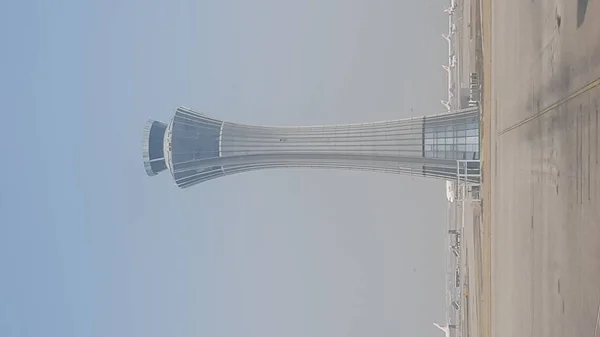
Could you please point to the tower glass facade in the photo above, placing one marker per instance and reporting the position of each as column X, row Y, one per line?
column 450, row 137
column 152, row 148
column 197, row 148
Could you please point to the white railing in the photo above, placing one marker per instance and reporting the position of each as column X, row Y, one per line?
column 468, row 180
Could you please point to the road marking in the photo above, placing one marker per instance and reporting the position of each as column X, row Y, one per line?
column 597, row 321
column 561, row 101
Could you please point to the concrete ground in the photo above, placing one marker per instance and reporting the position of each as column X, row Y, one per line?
column 470, row 260
column 462, row 45
column 541, row 152
column 474, row 304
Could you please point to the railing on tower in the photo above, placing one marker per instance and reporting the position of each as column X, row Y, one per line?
column 468, row 180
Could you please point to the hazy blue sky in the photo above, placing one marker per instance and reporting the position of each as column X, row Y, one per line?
column 91, row 246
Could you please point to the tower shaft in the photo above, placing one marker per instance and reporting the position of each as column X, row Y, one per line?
column 197, row 148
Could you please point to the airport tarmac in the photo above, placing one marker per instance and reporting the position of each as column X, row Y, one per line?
column 469, row 61
column 541, row 153
column 470, row 256
column 464, row 48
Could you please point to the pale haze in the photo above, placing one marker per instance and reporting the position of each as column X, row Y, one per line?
column 91, row 246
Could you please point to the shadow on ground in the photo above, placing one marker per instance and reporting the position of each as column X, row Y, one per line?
column 581, row 9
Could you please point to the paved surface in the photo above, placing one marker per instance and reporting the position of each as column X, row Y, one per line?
column 487, row 138
column 543, row 117
column 462, row 43
column 470, row 269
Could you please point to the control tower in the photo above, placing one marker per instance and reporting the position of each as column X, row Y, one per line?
column 195, row 148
